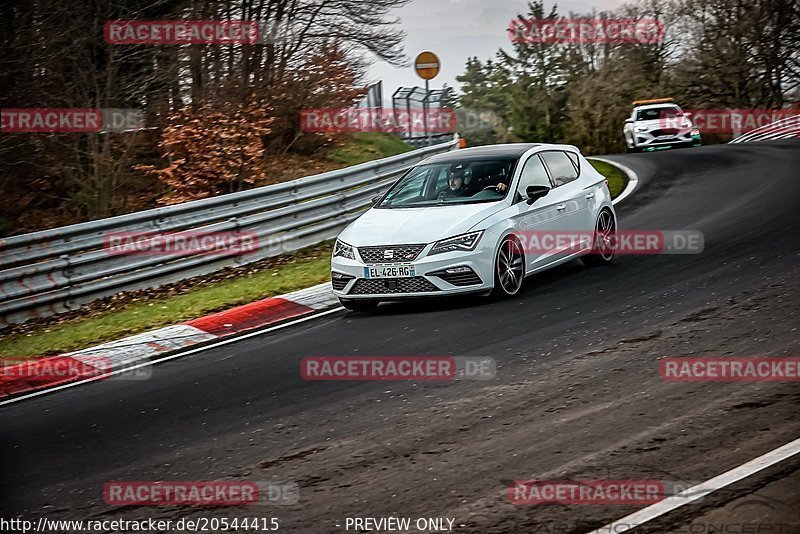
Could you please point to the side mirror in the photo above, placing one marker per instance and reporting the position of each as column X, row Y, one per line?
column 628, row 121
column 376, row 199
column 535, row 192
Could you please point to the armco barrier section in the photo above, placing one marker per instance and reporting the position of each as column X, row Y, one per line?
column 52, row 271
column 787, row 128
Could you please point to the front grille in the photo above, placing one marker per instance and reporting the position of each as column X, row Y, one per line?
column 397, row 253
column 339, row 280
column 382, row 286
column 665, row 131
column 468, row 278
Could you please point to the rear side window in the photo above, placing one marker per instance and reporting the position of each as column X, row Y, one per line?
column 561, row 168
column 575, row 161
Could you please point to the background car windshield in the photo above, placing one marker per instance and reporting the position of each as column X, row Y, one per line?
column 666, row 112
column 452, row 182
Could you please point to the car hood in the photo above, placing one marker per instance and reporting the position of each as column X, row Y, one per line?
column 655, row 124
column 401, row 226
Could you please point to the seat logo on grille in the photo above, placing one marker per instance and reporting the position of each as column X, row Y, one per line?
column 388, row 254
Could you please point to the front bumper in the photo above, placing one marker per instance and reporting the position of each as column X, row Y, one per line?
column 431, row 277
column 666, row 137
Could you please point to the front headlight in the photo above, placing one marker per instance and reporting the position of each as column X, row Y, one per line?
column 463, row 242
column 640, row 128
column 340, row 248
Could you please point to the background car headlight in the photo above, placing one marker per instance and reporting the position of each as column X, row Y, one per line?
column 344, row 250
column 459, row 242
column 640, row 128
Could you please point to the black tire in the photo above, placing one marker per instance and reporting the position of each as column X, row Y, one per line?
column 603, row 247
column 360, row 305
column 509, row 268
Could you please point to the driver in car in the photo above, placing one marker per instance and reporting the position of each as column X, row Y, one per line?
column 456, row 181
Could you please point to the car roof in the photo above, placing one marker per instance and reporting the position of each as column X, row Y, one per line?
column 504, row 151
column 655, row 106
column 512, row 150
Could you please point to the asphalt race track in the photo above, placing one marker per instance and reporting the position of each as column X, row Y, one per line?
column 577, row 392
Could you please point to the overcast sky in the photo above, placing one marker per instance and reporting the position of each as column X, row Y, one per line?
column 457, row 29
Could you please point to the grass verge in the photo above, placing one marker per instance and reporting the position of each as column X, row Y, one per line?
column 367, row 146
column 616, row 180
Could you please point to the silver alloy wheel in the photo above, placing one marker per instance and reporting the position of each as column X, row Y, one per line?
column 605, row 236
column 510, row 266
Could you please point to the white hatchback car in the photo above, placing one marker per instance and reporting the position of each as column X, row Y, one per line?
column 476, row 220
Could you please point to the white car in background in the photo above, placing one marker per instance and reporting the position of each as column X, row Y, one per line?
column 658, row 124
column 458, row 223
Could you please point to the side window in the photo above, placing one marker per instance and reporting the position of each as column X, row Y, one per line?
column 533, row 173
column 561, row 168
column 438, row 182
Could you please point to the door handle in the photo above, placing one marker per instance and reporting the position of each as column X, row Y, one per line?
column 590, row 196
column 561, row 207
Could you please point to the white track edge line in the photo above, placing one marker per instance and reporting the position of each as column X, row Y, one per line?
column 633, row 178
column 701, row 490
column 174, row 356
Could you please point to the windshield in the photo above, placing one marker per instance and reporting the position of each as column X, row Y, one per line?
column 451, row 182
column 652, row 114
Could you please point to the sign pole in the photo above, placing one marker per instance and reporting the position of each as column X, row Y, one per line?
column 425, row 106
column 427, row 67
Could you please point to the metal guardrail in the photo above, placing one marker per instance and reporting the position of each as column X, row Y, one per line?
column 52, row 271
column 433, row 139
column 783, row 129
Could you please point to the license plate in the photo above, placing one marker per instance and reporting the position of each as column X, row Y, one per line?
column 389, row 271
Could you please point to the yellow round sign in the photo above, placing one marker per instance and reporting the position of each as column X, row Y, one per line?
column 427, row 65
